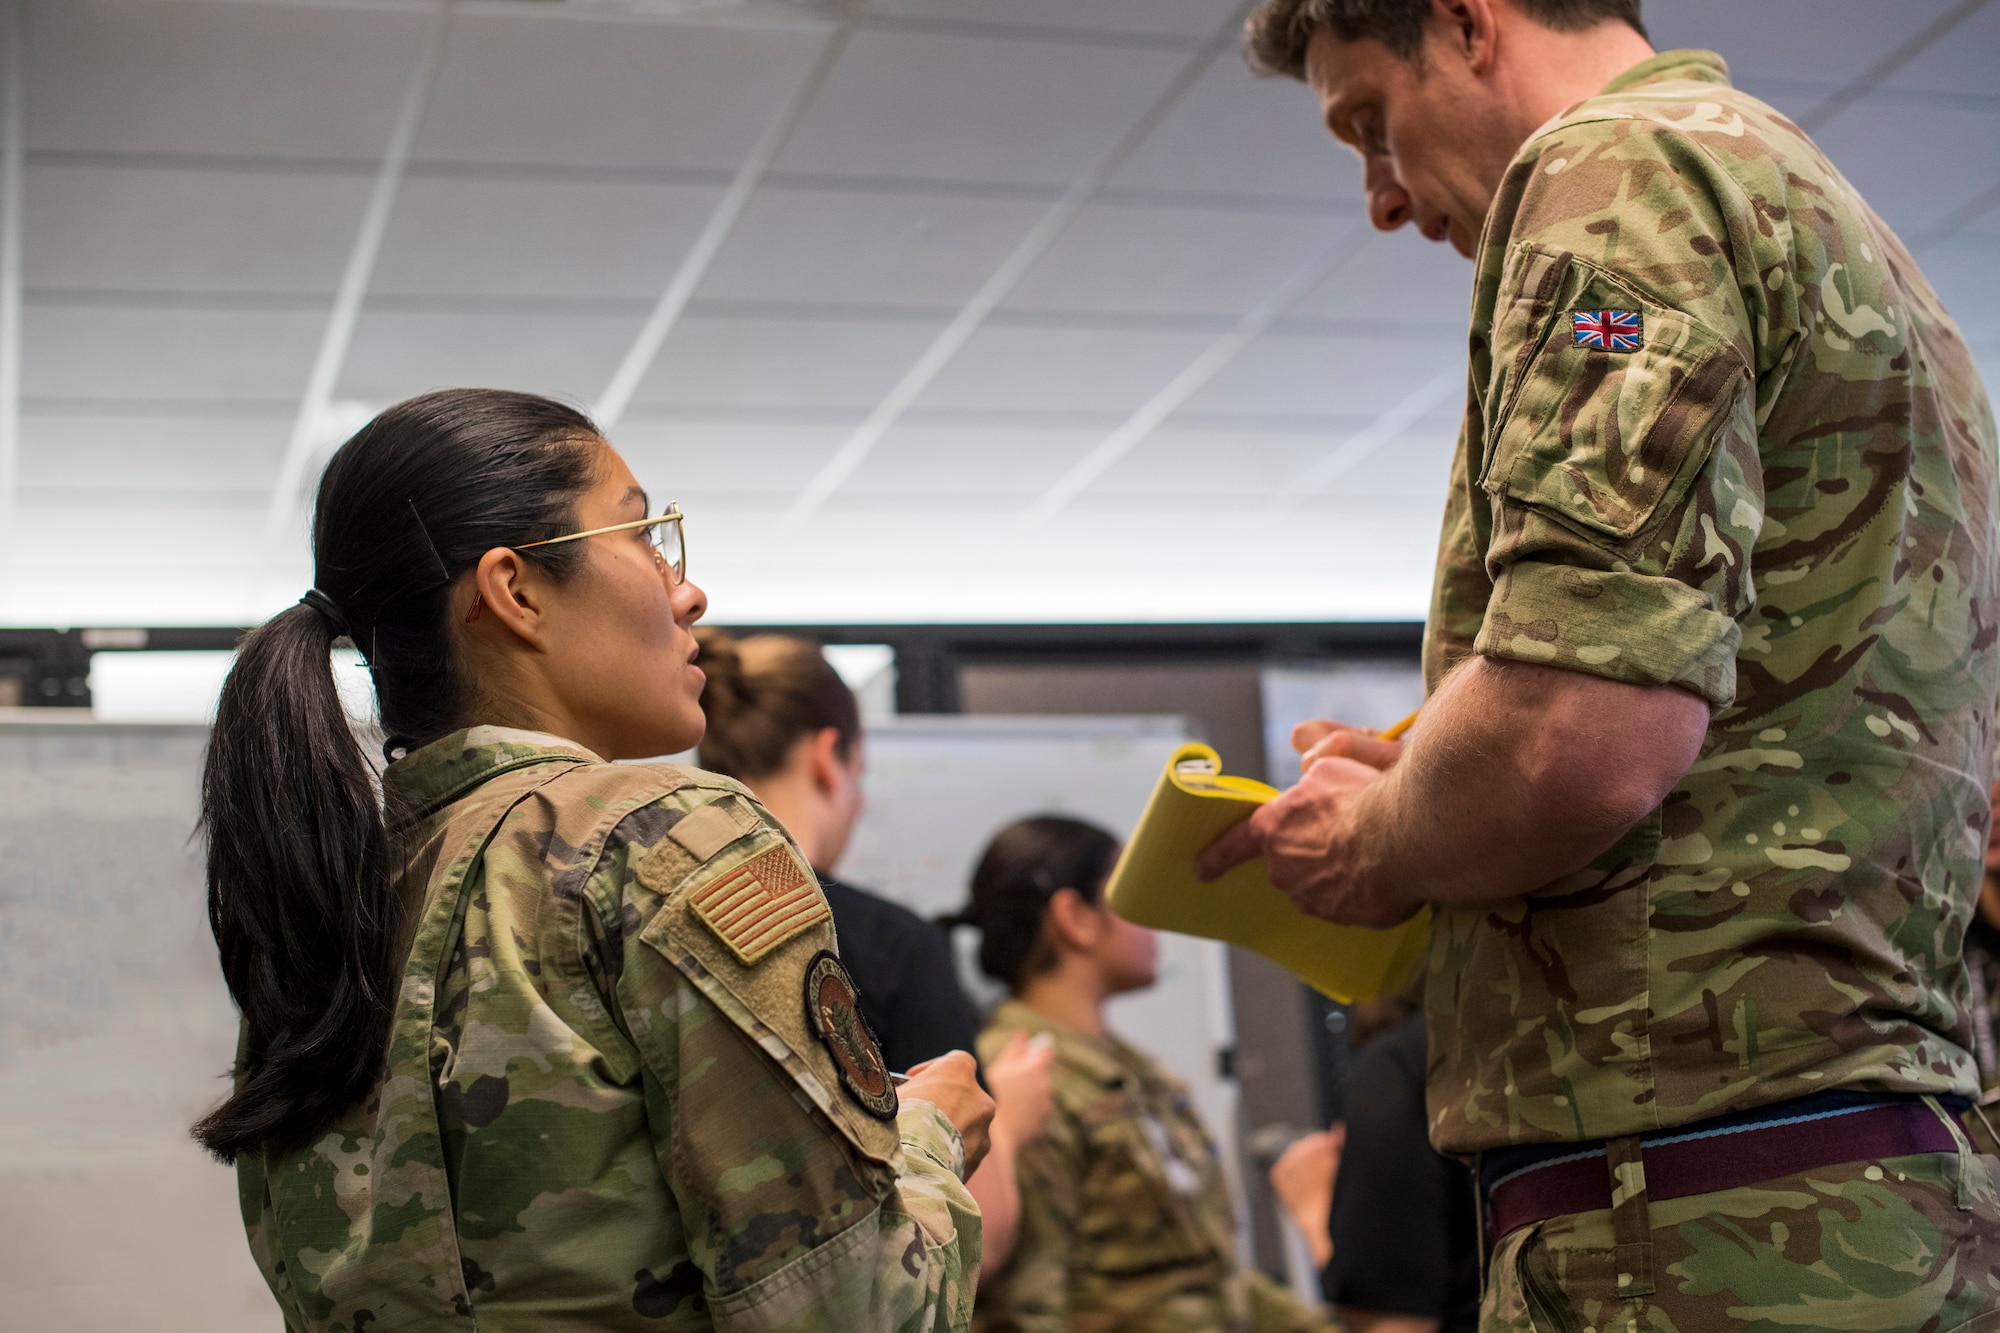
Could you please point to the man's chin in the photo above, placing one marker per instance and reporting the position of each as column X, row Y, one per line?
column 1462, row 239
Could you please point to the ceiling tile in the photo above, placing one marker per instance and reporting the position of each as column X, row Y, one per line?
column 149, row 353
column 991, row 466
column 1398, row 280
column 230, row 78
column 1179, row 18
column 702, row 463
column 606, row 91
column 1352, row 377
column 878, row 248
column 1915, row 165
column 1119, row 257
column 910, row 105
column 130, row 228
column 1062, row 369
column 1962, row 61
column 832, row 364
column 1817, row 41
column 399, row 353
column 71, row 455
column 1190, row 467
column 522, row 238
column 1237, row 134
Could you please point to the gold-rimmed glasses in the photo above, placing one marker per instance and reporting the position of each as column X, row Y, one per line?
column 664, row 534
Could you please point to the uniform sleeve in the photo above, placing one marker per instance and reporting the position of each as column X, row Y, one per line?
column 1620, row 429
column 802, row 1209
column 260, row 1224
column 1031, row 1294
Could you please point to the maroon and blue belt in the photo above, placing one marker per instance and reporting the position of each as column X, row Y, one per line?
column 1524, row 1185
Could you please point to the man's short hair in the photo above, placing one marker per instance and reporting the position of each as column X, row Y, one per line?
column 1276, row 34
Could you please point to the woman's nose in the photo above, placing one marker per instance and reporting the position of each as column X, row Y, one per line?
column 1388, row 201
column 690, row 603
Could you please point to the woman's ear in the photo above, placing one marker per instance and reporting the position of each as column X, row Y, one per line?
column 829, row 770
column 1074, row 922
column 512, row 590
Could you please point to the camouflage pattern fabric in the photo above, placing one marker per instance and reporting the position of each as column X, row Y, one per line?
column 1126, row 1220
column 595, row 1114
column 1782, row 499
column 1904, row 1244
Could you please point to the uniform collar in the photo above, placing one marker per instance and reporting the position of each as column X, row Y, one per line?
column 439, row 773
column 1095, row 1057
column 1685, row 65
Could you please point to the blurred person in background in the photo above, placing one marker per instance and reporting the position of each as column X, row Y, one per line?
column 1126, row 1220
column 1390, row 1220
column 783, row 722
column 532, row 1037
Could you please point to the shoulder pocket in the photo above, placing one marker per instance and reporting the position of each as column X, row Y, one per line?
column 747, row 926
column 1614, row 398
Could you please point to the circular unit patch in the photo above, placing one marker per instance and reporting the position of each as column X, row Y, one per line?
column 835, row 1018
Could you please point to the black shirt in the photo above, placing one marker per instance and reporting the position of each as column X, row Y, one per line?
column 902, row 967
column 1404, row 1236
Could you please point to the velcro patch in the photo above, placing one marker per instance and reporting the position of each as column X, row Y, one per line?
column 761, row 903
column 706, row 831
column 833, row 1012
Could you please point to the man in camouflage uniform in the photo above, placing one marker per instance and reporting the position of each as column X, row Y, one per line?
column 1126, row 1221
column 627, row 1088
column 1699, row 794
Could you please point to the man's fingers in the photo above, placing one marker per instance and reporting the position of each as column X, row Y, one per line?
column 1350, row 743
column 1308, row 734
column 1239, row 843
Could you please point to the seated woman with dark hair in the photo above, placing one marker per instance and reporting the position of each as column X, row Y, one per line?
column 1126, row 1220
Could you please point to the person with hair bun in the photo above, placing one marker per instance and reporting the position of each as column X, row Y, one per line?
column 529, row 1037
column 783, row 722
column 1126, row 1220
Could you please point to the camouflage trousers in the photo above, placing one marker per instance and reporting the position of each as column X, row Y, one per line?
column 1901, row 1243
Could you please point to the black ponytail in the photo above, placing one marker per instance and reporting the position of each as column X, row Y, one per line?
column 304, row 872
column 1026, row 864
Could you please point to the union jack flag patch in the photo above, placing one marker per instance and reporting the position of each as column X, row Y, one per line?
column 1607, row 330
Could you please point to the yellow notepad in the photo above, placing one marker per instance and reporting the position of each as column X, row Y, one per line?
column 1154, row 885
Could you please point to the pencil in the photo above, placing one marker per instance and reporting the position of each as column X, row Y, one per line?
column 1396, row 732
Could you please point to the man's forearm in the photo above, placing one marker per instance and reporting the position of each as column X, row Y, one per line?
column 1515, row 776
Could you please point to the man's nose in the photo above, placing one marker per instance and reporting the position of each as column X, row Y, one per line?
column 1388, row 202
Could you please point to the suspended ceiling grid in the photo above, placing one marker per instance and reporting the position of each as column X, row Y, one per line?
column 923, row 309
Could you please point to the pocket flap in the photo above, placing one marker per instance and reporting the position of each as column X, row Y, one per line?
column 1612, row 417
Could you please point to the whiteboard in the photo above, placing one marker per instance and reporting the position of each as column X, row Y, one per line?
column 115, row 1033
column 937, row 788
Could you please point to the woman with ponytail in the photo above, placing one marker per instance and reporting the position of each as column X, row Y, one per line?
column 1126, row 1220
column 531, row 1036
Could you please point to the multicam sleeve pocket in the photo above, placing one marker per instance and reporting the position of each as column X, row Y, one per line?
column 1608, row 400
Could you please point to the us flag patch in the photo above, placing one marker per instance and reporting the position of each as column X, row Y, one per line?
column 761, row 904
column 1607, row 330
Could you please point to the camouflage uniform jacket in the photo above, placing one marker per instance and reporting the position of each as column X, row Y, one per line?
column 1126, row 1220
column 1721, row 436
column 605, row 1103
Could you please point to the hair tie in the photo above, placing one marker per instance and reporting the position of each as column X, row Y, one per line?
column 329, row 612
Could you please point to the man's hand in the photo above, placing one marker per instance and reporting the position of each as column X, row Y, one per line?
column 1518, row 775
column 1305, row 835
column 1307, row 840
